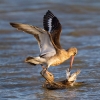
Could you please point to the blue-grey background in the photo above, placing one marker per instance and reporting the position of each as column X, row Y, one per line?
column 80, row 21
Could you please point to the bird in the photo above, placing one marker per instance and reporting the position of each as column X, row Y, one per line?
column 51, row 52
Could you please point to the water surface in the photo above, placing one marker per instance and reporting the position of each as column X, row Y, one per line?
column 80, row 21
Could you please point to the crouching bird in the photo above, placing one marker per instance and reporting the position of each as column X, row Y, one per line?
column 51, row 52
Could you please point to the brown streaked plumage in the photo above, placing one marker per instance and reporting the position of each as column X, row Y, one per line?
column 51, row 52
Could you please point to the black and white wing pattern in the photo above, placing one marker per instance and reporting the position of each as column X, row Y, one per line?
column 53, row 26
column 47, row 49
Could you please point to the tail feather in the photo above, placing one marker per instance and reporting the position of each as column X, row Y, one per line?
column 35, row 60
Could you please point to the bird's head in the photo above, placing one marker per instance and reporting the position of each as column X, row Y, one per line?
column 72, row 51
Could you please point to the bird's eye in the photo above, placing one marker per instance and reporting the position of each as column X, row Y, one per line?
column 75, row 53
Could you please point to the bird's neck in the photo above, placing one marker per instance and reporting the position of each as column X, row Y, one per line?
column 65, row 54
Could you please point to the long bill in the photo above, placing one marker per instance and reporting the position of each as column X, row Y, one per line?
column 71, row 63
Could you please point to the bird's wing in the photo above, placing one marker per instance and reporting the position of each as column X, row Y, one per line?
column 53, row 26
column 42, row 36
column 74, row 76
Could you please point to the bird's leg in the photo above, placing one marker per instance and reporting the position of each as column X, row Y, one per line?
column 46, row 71
column 42, row 66
column 45, row 68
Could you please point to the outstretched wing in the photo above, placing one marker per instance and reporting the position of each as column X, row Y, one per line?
column 53, row 26
column 43, row 37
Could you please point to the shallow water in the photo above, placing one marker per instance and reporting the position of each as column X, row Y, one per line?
column 80, row 21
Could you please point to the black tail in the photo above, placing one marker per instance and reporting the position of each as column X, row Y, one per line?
column 29, row 58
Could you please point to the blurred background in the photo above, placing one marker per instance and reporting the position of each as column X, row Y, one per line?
column 80, row 21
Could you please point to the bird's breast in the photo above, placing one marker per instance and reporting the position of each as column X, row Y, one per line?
column 56, row 63
column 57, row 60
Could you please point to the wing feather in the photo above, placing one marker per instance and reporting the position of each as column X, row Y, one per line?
column 52, row 25
column 42, row 36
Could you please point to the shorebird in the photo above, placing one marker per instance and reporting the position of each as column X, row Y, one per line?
column 51, row 52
